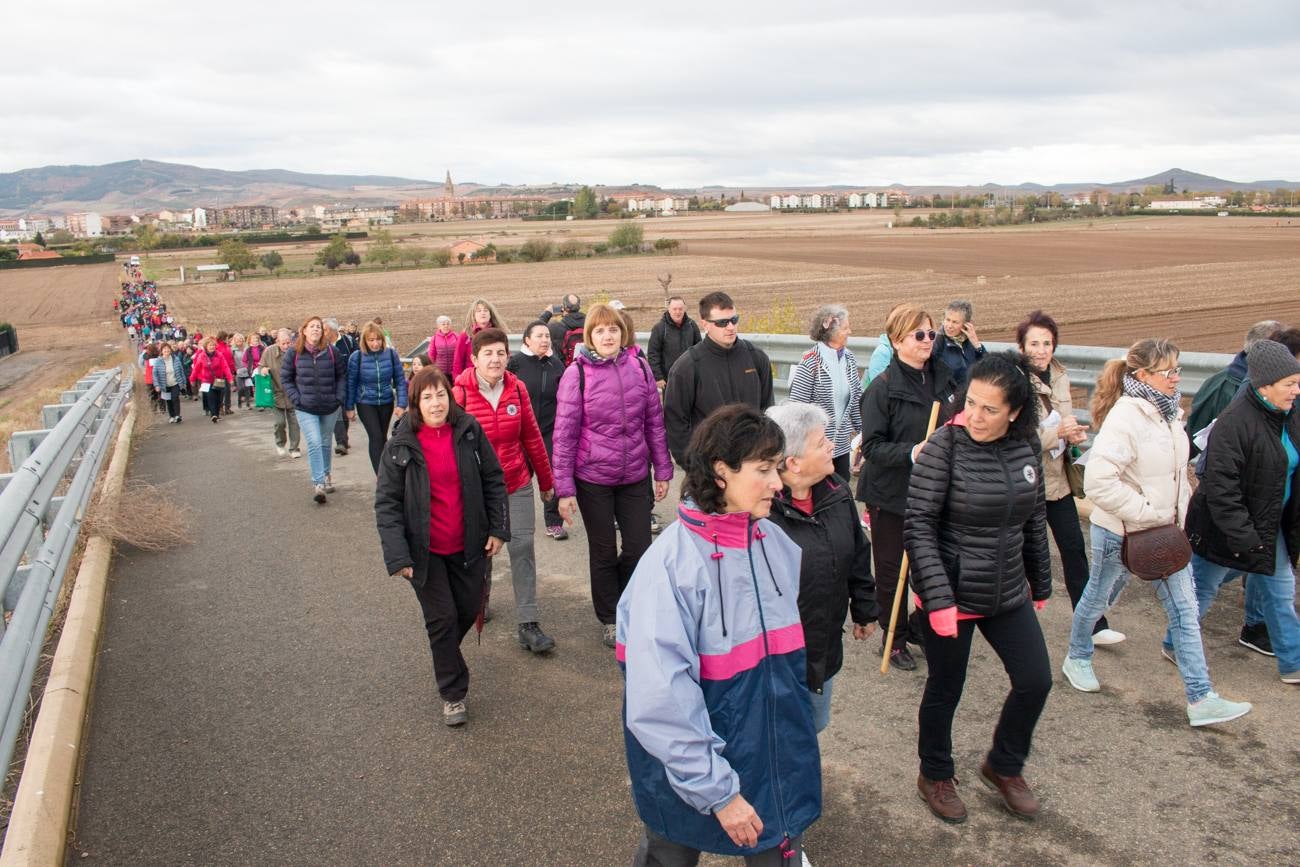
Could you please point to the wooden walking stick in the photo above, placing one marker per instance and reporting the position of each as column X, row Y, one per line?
column 902, row 568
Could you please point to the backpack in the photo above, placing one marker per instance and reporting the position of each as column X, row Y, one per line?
column 572, row 338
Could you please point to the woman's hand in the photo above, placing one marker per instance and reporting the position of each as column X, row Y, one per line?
column 740, row 822
column 548, row 495
column 863, row 631
column 405, row 572
column 493, row 546
column 661, row 490
column 1040, row 604
column 398, row 412
column 944, row 621
column 568, row 508
column 352, row 415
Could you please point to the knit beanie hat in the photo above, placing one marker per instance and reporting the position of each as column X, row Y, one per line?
column 1269, row 361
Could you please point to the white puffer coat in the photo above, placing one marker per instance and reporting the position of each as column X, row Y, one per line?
column 1137, row 469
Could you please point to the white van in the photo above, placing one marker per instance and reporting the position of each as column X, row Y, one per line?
column 134, row 261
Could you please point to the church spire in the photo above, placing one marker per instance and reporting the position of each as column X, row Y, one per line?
column 448, row 187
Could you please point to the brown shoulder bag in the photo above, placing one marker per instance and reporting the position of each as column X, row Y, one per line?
column 1157, row 552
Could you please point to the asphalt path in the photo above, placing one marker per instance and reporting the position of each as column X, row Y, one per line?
column 264, row 696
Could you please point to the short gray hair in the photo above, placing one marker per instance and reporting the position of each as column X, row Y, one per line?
column 444, row 318
column 1262, row 331
column 331, row 323
column 827, row 321
column 796, row 421
column 963, row 307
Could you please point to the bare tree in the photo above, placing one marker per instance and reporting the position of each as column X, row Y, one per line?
column 664, row 282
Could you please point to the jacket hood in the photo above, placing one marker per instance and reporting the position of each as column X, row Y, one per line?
column 728, row 529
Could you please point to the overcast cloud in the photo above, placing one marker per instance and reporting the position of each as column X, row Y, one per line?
column 675, row 94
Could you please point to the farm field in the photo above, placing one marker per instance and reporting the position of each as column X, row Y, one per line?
column 1202, row 281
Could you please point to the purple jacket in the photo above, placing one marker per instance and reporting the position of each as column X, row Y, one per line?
column 609, row 424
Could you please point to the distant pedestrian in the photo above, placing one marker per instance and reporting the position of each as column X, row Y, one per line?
column 1137, row 480
column 827, row 375
column 721, row 749
column 287, row 433
column 959, row 343
column 884, row 351
column 721, row 369
column 212, row 375
column 1220, row 388
column 539, row 369
column 440, row 507
column 609, row 442
column 442, row 346
column 976, row 530
column 481, row 315
column 671, row 336
column 1245, row 514
column 343, row 347
column 232, row 382
column 243, row 373
column 500, row 402
column 376, row 389
column 567, row 330
column 315, row 379
column 168, row 377
column 418, row 363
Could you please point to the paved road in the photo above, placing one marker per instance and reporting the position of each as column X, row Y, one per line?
column 264, row 696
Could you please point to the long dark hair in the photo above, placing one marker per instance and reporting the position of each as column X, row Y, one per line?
column 1010, row 371
column 732, row 434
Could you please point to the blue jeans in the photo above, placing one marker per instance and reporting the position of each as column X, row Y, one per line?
column 821, row 706
column 1107, row 580
column 318, row 431
column 1272, row 595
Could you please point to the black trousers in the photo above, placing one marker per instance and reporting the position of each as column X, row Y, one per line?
column 611, row 570
column 550, row 508
column 1018, row 641
column 173, row 402
column 340, row 431
column 449, row 600
column 1063, row 518
column 212, row 401
column 655, row 851
column 844, row 466
column 887, row 557
column 375, row 418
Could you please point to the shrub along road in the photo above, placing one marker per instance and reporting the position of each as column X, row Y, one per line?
column 264, row 696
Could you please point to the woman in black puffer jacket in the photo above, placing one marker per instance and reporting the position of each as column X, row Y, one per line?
column 976, row 532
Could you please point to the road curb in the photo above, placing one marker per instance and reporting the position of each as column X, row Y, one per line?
column 42, row 811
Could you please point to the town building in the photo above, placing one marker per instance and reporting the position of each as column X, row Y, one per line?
column 86, row 224
column 243, row 216
column 468, row 250
column 35, row 251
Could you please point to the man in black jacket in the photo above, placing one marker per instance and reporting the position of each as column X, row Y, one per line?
column 670, row 338
column 571, row 319
column 344, row 346
column 721, row 369
column 538, row 367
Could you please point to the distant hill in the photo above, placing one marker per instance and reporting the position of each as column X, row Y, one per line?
column 140, row 185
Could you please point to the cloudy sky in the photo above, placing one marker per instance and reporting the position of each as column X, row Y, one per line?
column 669, row 93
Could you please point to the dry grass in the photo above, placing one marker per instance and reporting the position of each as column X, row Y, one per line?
column 143, row 516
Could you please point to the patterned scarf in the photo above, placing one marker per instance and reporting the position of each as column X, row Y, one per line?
column 1167, row 404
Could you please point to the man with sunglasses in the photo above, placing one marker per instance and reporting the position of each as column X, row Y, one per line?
column 721, row 369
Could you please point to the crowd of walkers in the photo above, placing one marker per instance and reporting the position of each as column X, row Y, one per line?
column 729, row 626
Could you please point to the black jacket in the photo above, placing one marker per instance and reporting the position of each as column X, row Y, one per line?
column 1237, row 510
column 834, row 574
column 402, row 497
column 541, row 376
column 668, row 341
column 708, row 377
column 895, row 411
column 562, row 326
column 976, row 525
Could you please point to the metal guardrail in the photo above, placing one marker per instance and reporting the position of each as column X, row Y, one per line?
column 1083, row 363
column 38, row 530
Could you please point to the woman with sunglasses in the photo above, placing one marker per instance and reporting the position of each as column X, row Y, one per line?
column 895, row 412
column 1137, row 480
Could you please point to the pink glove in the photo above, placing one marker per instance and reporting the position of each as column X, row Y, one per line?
column 944, row 621
column 1040, row 604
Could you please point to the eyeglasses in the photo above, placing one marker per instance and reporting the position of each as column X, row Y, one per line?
column 723, row 323
column 922, row 336
column 1168, row 373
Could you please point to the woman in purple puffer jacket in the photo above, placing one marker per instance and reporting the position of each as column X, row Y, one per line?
column 609, row 430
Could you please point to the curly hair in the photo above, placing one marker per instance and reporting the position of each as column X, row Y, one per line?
column 1010, row 372
column 732, row 434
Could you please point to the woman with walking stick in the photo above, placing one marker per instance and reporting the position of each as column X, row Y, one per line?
column 976, row 531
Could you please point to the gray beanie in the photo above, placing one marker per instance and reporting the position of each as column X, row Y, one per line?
column 1269, row 361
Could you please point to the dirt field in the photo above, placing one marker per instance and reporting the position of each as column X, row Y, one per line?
column 1201, row 281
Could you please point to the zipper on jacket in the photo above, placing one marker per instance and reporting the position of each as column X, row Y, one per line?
column 1002, row 532
column 773, row 752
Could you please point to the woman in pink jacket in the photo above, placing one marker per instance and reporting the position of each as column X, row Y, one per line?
column 213, row 370
column 609, row 431
column 481, row 315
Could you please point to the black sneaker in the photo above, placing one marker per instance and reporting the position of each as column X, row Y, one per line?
column 899, row 657
column 1256, row 638
column 533, row 639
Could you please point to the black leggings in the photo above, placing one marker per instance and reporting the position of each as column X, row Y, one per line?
column 450, row 601
column 1017, row 639
column 887, row 554
column 611, row 570
column 375, row 418
column 1063, row 518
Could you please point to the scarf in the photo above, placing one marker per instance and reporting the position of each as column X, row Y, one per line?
column 1167, row 404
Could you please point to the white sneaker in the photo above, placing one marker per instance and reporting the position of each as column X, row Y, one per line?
column 804, row 856
column 281, row 451
column 1107, row 636
column 1215, row 709
column 295, row 453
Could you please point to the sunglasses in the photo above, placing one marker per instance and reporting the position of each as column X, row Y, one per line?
column 1169, row 372
column 922, row 336
column 723, row 323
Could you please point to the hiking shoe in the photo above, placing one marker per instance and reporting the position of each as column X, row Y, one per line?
column 1168, row 654
column 454, row 713
column 655, row 526
column 281, row 451
column 295, row 453
column 941, row 797
column 611, row 635
column 1017, row 797
column 1256, row 638
column 533, row 639
column 319, row 495
column 340, row 450
column 1215, row 709
column 1080, row 674
column 1291, row 677
column 901, row 658
column 329, row 484
column 215, row 419
column 1107, row 637
column 558, row 533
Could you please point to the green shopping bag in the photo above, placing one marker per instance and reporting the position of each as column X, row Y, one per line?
column 263, row 396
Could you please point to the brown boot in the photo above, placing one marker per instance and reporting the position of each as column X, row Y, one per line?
column 941, row 797
column 1016, row 794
